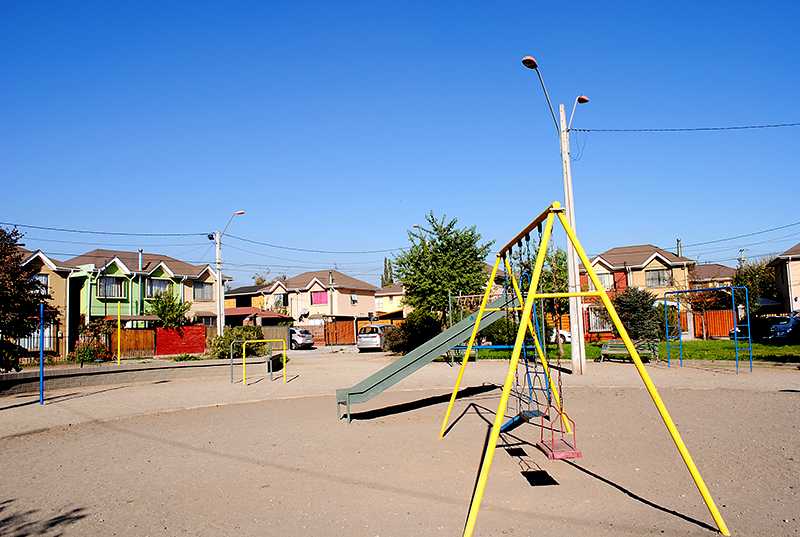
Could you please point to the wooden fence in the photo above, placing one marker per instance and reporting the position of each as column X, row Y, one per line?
column 135, row 342
column 714, row 323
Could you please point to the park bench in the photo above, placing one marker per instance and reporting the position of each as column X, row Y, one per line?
column 616, row 347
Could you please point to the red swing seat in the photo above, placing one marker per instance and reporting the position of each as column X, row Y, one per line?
column 562, row 446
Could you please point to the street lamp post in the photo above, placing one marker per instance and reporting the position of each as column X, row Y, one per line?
column 575, row 307
column 220, row 285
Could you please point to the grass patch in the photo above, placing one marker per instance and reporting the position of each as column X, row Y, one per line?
column 712, row 350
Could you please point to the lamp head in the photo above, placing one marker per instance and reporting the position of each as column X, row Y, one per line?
column 583, row 99
column 242, row 212
column 529, row 62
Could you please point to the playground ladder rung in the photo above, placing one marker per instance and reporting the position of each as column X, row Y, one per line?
column 559, row 449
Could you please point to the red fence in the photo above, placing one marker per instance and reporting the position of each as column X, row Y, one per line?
column 714, row 323
column 189, row 339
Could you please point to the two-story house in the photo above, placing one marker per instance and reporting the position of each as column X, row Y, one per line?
column 787, row 278
column 645, row 266
column 108, row 283
column 311, row 296
column 55, row 276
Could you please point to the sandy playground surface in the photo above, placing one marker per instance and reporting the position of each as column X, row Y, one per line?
column 211, row 458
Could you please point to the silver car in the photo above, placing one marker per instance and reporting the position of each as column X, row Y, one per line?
column 300, row 338
column 371, row 336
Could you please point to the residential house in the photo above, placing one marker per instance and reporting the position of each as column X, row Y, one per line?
column 787, row 278
column 311, row 296
column 644, row 266
column 55, row 276
column 708, row 275
column 390, row 302
column 105, row 283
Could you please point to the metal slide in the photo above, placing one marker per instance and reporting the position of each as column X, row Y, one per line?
column 422, row 355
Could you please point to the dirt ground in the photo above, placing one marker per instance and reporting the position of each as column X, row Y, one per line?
column 284, row 464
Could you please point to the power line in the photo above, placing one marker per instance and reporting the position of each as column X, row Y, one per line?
column 105, row 232
column 742, row 236
column 694, row 129
column 312, row 251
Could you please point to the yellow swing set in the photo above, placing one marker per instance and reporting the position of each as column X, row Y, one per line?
column 561, row 447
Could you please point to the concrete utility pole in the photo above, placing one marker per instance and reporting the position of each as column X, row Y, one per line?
column 220, row 284
column 575, row 307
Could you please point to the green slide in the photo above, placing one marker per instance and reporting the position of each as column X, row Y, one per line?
column 422, row 355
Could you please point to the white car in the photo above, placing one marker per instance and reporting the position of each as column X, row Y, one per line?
column 564, row 335
column 371, row 336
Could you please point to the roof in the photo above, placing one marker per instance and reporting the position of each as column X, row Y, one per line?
column 394, row 289
column 246, row 290
column 340, row 281
column 638, row 257
column 53, row 264
column 791, row 253
column 250, row 311
column 101, row 258
column 711, row 272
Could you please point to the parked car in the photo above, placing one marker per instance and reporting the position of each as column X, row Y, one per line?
column 300, row 338
column 785, row 330
column 739, row 332
column 371, row 336
column 565, row 336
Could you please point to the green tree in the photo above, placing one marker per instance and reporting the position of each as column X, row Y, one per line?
column 387, row 279
column 759, row 280
column 639, row 314
column 170, row 310
column 441, row 258
column 20, row 299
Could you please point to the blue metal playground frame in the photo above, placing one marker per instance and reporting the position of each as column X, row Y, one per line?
column 736, row 323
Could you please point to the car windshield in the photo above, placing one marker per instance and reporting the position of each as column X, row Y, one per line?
column 779, row 322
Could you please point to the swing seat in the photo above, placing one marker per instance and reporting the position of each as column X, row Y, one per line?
column 524, row 415
column 563, row 445
column 558, row 449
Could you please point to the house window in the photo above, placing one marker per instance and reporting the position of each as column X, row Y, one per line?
column 207, row 321
column 280, row 301
column 606, row 280
column 597, row 322
column 319, row 297
column 658, row 278
column 111, row 287
column 203, row 291
column 157, row 286
column 391, row 299
column 44, row 280
column 31, row 343
column 378, row 301
column 353, row 298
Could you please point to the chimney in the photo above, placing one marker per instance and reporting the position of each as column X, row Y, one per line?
column 140, row 259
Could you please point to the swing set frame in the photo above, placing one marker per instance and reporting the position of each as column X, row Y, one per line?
column 547, row 219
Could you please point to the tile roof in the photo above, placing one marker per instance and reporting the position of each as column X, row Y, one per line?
column 101, row 257
column 340, row 281
column 712, row 271
column 638, row 256
column 394, row 289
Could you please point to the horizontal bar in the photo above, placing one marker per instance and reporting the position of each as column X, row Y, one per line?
column 556, row 206
column 566, row 295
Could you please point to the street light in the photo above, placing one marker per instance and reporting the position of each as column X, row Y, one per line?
column 220, row 286
column 575, row 317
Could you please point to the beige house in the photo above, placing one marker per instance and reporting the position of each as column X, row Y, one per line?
column 787, row 278
column 707, row 275
column 390, row 302
column 55, row 275
column 311, row 296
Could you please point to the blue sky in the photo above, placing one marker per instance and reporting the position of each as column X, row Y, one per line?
column 337, row 126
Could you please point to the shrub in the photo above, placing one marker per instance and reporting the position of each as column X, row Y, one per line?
column 185, row 357
column 90, row 351
column 220, row 346
column 418, row 327
column 638, row 312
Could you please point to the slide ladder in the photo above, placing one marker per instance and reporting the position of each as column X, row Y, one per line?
column 422, row 355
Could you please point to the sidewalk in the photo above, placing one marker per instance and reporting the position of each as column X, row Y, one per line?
column 319, row 372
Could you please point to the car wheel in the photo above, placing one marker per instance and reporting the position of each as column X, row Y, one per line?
column 293, row 345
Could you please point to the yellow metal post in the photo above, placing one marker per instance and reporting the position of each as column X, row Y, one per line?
column 651, row 389
column 512, row 368
column 119, row 331
column 478, row 317
column 244, row 366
